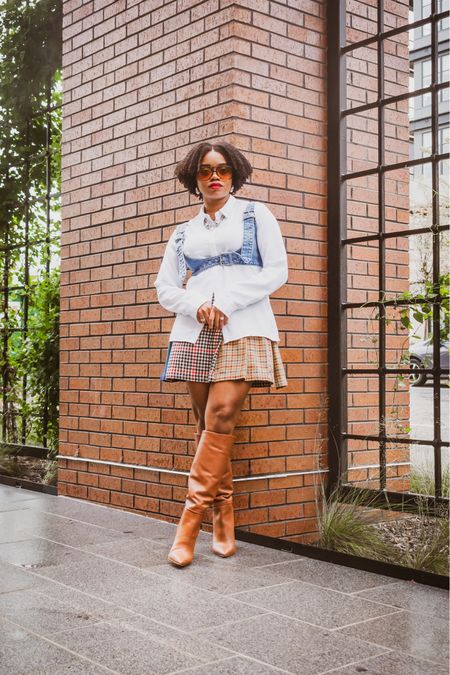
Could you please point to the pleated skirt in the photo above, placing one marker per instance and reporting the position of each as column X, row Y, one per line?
column 254, row 359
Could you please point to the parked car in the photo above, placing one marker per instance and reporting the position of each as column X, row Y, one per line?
column 421, row 356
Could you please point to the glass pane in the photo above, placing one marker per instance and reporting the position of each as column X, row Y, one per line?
column 364, row 465
column 361, row 76
column 422, row 470
column 408, row 264
column 363, row 399
column 363, row 459
column 397, row 203
column 444, row 69
column 422, row 10
column 362, row 404
column 421, row 355
column 361, row 20
column 396, row 64
column 37, row 260
column 397, row 339
column 444, row 131
column 398, row 402
column 362, row 271
column 396, row 14
column 397, row 266
column 416, row 350
column 16, row 308
column 444, row 192
column 362, row 141
column 397, row 139
column 443, row 24
column 362, row 337
column 445, row 401
column 362, row 206
column 398, row 467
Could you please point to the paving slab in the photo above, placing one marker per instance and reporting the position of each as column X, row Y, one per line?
column 20, row 524
column 64, row 530
column 234, row 665
column 216, row 575
column 22, row 652
column 290, row 644
column 178, row 604
column 45, row 614
column 13, row 578
column 416, row 634
column 329, row 575
column 313, row 604
column 247, row 554
column 37, row 553
column 125, row 649
column 80, row 601
column 136, row 551
column 412, row 596
column 180, row 638
column 111, row 518
column 87, row 589
column 392, row 663
column 11, row 495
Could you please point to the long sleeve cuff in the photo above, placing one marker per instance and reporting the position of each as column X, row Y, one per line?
column 193, row 301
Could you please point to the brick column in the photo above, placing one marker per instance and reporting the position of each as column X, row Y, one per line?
column 143, row 82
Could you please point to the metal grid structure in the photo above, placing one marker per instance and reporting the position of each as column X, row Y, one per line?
column 22, row 252
column 338, row 176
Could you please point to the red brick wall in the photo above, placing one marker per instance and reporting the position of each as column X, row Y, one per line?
column 143, row 82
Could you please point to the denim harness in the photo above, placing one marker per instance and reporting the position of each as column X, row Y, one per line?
column 248, row 254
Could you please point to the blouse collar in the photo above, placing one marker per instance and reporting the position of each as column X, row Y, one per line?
column 222, row 213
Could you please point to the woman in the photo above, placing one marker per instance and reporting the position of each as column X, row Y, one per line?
column 224, row 338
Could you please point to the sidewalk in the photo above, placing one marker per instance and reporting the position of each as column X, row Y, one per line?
column 87, row 589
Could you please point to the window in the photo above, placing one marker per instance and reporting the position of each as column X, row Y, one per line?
column 388, row 215
column 444, row 76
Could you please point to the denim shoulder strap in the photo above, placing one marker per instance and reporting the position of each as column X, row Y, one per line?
column 249, row 232
column 180, row 233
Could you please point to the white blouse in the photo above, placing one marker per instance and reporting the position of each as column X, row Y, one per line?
column 241, row 292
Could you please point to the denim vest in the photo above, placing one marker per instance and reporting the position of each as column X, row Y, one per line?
column 248, row 254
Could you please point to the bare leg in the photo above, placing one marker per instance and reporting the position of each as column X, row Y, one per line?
column 224, row 403
column 199, row 398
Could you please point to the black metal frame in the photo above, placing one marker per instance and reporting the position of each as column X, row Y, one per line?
column 5, row 289
column 337, row 241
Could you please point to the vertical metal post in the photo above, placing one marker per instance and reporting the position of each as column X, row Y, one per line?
column 436, row 253
column 337, row 272
column 25, row 296
column 381, row 253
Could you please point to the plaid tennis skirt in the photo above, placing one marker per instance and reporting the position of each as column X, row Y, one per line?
column 254, row 359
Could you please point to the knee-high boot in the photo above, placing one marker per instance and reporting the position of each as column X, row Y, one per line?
column 208, row 466
column 224, row 543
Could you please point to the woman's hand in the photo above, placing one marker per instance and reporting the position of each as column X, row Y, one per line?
column 211, row 315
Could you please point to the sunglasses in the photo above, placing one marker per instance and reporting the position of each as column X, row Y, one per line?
column 204, row 172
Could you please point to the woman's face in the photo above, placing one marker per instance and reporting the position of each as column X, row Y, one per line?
column 214, row 187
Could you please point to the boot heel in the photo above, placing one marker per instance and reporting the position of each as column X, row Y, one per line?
column 224, row 543
column 182, row 551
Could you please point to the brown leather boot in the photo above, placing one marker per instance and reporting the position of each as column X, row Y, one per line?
column 208, row 467
column 224, row 543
